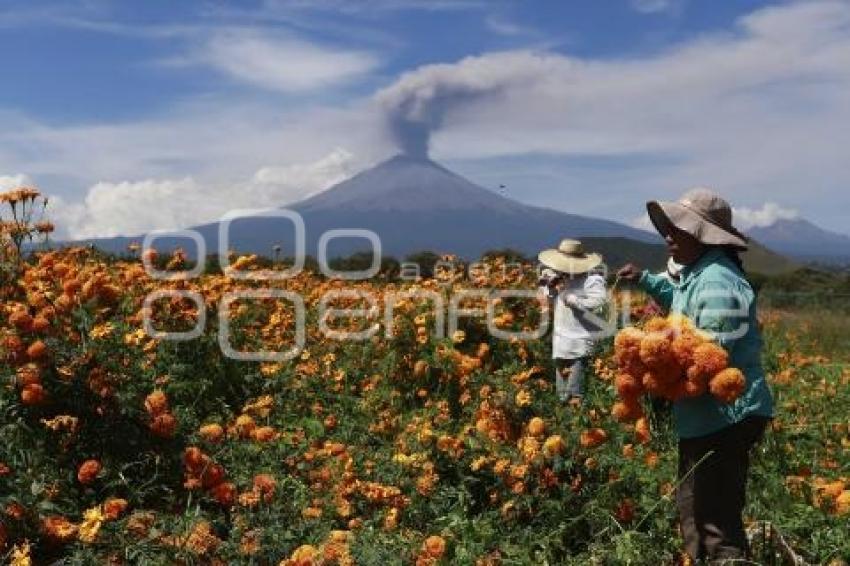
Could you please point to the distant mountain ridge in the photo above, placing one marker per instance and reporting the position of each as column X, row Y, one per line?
column 799, row 238
column 413, row 204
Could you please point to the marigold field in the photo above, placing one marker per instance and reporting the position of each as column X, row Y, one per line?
column 117, row 447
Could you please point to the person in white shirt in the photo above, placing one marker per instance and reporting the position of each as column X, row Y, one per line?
column 573, row 282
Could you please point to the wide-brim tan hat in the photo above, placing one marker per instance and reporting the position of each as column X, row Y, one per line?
column 701, row 213
column 569, row 257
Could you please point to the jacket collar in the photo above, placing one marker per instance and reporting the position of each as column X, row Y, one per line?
column 690, row 272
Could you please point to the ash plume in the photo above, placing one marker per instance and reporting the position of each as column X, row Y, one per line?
column 418, row 104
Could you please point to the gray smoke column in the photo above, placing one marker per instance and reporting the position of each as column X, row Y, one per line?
column 418, row 103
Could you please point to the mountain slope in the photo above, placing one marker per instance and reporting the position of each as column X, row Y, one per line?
column 800, row 238
column 412, row 204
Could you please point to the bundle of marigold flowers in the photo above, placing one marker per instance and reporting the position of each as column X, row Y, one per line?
column 672, row 359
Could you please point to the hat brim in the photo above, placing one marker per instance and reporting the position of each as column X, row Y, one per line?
column 559, row 261
column 666, row 214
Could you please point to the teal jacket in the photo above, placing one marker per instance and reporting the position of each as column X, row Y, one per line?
column 714, row 294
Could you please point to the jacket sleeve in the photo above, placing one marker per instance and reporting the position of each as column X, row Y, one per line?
column 723, row 311
column 546, row 292
column 658, row 287
column 593, row 294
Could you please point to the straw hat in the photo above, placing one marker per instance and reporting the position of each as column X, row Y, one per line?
column 570, row 258
column 703, row 214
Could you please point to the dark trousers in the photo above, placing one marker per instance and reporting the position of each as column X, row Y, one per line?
column 711, row 498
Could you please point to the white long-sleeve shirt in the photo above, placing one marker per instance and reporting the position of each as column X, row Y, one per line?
column 573, row 334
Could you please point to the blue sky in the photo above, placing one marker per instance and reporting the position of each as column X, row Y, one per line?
column 589, row 107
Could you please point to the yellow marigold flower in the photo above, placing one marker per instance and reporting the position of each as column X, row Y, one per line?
column 102, row 330
column 303, row 555
column 536, row 426
column 62, row 422
column 260, row 407
column 523, row 398
column 478, row 463
column 554, row 445
column 21, row 555
column 391, row 520
column 92, row 520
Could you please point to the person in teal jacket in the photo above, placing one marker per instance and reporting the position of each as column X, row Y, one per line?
column 715, row 438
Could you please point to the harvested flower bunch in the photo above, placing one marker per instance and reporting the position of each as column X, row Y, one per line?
column 672, row 359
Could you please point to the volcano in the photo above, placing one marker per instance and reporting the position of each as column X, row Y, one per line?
column 415, row 204
column 801, row 239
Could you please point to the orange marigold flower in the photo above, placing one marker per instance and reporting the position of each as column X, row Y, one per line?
column 58, row 529
column 536, row 426
column 694, row 386
column 88, row 471
column 156, row 403
column 164, row 425
column 642, row 434
column 264, row 434
column 627, row 411
column 28, row 373
column 212, row 475
column 420, row 368
column 651, row 459
column 708, row 360
column 244, row 425
column 265, row 484
column 683, row 347
column 593, row 437
column 434, row 546
column 653, row 384
column 40, row 324
column 625, row 512
column 224, row 493
column 21, row 319
column 212, row 433
column 728, row 384
column 842, row 503
column 194, row 458
column 657, row 324
column 15, row 511
column 627, row 385
column 37, row 350
column 114, row 507
column 656, row 351
column 33, row 394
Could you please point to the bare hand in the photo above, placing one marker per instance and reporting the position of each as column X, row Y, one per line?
column 630, row 272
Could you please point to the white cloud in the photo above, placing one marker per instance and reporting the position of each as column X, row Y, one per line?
column 743, row 218
column 13, row 181
column 643, row 223
column 285, row 64
column 129, row 208
column 656, row 6
column 757, row 113
column 770, row 212
column 501, row 26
